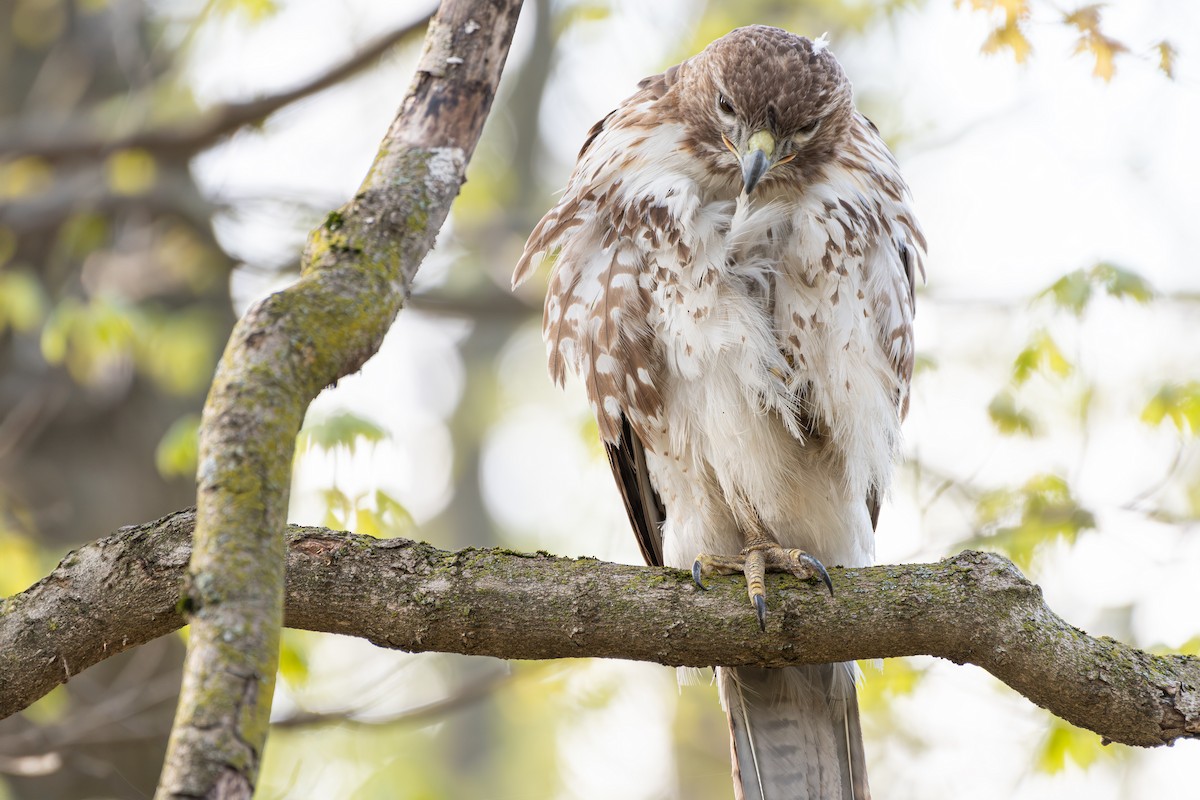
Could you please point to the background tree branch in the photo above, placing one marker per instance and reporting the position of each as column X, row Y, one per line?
column 975, row 608
column 185, row 139
column 356, row 272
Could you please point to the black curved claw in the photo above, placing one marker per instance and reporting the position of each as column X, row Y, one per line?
column 760, row 608
column 696, row 575
column 821, row 571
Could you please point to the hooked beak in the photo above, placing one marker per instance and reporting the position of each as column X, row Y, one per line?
column 756, row 159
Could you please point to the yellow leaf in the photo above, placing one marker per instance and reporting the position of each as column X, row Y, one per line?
column 1011, row 36
column 1166, row 58
column 131, row 172
column 1104, row 50
column 1085, row 19
column 24, row 177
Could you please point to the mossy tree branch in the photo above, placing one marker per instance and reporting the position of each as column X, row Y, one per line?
column 355, row 274
column 974, row 608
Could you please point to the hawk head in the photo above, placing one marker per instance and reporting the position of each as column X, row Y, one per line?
column 761, row 104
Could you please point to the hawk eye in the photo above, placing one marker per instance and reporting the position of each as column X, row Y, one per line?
column 811, row 127
column 724, row 104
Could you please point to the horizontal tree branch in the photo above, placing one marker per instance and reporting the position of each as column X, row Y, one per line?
column 976, row 608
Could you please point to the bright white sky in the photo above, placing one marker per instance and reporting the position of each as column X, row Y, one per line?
column 1020, row 173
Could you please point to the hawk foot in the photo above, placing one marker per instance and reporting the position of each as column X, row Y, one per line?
column 754, row 562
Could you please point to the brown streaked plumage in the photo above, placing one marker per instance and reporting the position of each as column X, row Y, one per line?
column 736, row 257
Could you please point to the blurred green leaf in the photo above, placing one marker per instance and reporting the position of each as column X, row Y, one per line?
column 343, row 430
column 1071, row 292
column 20, row 561
column 131, row 172
column 396, row 521
column 1017, row 522
column 1009, row 418
column 337, row 508
column 367, row 522
column 582, row 12
column 1177, row 402
column 90, row 338
column 176, row 349
column 1064, row 741
column 1122, row 283
column 1041, row 354
column 293, row 658
column 82, row 233
column 178, row 449
column 250, row 10
column 22, row 301
column 24, row 177
column 1190, row 648
column 8, row 244
column 886, row 680
column 924, row 363
column 49, row 708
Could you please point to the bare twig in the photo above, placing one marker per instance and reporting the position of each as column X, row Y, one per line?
column 182, row 140
column 466, row 695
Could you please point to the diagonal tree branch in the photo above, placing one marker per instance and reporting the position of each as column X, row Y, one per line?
column 976, row 608
column 356, row 272
column 185, row 139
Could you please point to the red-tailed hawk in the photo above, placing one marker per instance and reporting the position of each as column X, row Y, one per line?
column 735, row 261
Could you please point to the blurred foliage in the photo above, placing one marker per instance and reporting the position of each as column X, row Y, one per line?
column 1014, row 18
column 22, row 562
column 373, row 512
column 1075, row 290
column 1020, row 522
column 22, row 300
column 885, row 680
column 252, row 11
column 294, row 656
column 343, row 432
column 1065, row 743
column 1010, row 417
column 1042, row 354
column 175, row 349
column 1177, row 402
column 178, row 450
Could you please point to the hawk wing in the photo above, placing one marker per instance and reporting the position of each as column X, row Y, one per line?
column 595, row 282
column 642, row 503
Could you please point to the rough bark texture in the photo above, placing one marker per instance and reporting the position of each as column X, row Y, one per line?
column 356, row 273
column 973, row 608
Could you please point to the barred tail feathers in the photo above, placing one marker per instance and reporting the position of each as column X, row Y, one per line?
column 795, row 733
